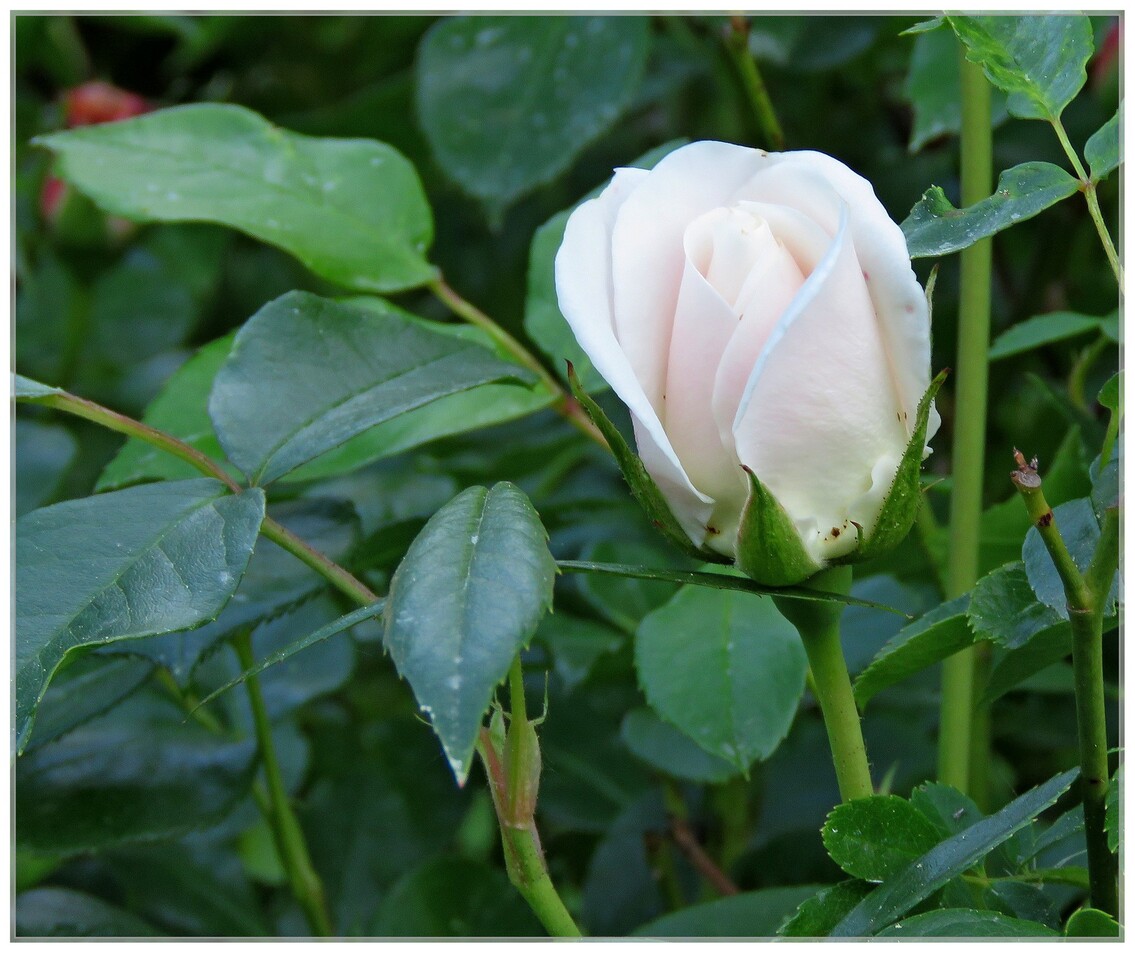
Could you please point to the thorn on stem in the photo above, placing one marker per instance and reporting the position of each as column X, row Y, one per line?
column 1026, row 476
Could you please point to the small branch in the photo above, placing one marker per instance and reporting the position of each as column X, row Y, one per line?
column 1028, row 483
column 737, row 43
column 524, row 858
column 1088, row 187
column 105, row 417
column 1101, row 229
column 1086, row 598
column 689, row 845
column 288, row 834
column 335, row 574
column 565, row 405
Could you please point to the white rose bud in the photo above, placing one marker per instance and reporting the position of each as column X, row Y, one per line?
column 756, row 312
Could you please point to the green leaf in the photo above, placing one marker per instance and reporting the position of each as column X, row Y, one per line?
column 24, row 388
column 124, row 565
column 1111, row 814
column 937, row 635
column 352, row 210
column 934, row 227
column 281, row 655
column 642, row 486
column 895, row 896
column 181, row 410
column 933, row 87
column 138, row 773
column 725, row 668
column 905, row 495
column 924, row 26
column 757, row 913
column 1090, row 922
column 543, row 319
column 1080, row 531
column 306, row 374
column 1110, row 394
column 1045, row 648
column 968, row 923
column 1102, row 148
column 188, row 888
column 88, row 687
column 1041, row 330
column 667, row 749
column 1039, row 61
column 621, row 890
column 465, row 600
column 819, row 914
column 720, row 579
column 43, row 453
column 454, row 897
column 945, row 807
column 576, row 645
column 1005, row 610
column 769, row 547
column 275, row 584
column 60, row 911
column 873, row 838
column 508, row 102
column 386, row 805
column 624, row 600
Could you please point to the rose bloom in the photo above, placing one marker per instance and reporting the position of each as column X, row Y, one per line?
column 753, row 310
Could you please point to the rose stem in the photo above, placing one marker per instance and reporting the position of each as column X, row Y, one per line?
column 818, row 625
column 565, row 405
column 737, row 43
column 286, row 831
column 524, row 858
column 1087, row 597
column 958, row 747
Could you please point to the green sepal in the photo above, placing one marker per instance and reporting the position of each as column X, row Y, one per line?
column 769, row 548
column 643, row 488
column 905, row 495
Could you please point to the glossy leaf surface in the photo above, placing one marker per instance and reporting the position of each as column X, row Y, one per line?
column 465, row 600
column 352, row 210
column 175, row 557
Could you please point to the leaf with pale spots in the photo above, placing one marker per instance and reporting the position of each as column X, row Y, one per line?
column 726, row 668
column 934, row 227
column 873, row 838
column 917, row 880
column 352, row 210
column 465, row 600
column 1039, row 60
column 176, row 554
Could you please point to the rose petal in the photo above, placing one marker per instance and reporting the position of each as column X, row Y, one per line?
column 704, row 322
column 583, row 286
column 821, row 410
column 769, row 290
column 899, row 300
column 647, row 250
